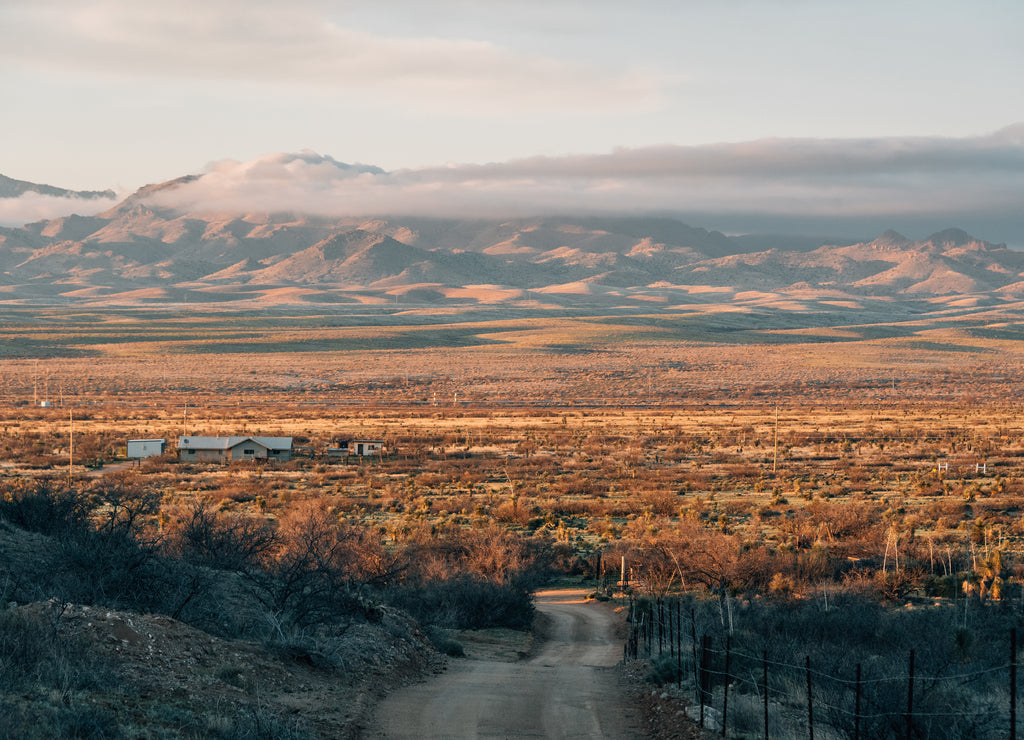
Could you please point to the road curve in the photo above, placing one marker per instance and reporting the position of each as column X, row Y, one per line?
column 567, row 690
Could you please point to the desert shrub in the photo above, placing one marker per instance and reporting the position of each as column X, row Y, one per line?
column 106, row 567
column 250, row 722
column 512, row 513
column 43, row 721
column 309, row 569
column 221, row 540
column 35, row 653
column 43, row 506
column 459, row 578
column 88, row 723
column 100, row 554
column 444, row 643
column 465, row 601
column 113, row 561
column 664, row 670
column 317, row 574
column 660, row 502
column 160, row 463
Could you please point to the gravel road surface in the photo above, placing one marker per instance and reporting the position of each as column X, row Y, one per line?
column 566, row 690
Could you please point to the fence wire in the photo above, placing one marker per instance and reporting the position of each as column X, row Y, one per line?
column 772, row 696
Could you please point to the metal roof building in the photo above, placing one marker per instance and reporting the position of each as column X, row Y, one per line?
column 198, row 449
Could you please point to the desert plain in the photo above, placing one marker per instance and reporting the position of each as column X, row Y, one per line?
column 762, row 456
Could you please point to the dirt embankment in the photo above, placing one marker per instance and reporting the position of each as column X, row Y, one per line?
column 126, row 674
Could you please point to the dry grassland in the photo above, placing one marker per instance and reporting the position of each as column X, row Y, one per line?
column 592, row 430
column 589, row 441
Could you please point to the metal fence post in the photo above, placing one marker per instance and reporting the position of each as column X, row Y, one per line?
column 705, row 675
column 679, row 644
column 725, row 693
column 1013, row 683
column 693, row 635
column 764, row 664
column 856, row 708
column 810, row 702
column 910, row 698
column 661, row 626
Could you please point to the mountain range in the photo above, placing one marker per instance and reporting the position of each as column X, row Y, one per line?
column 137, row 253
column 11, row 188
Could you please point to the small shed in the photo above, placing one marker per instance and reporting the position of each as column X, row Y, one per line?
column 140, row 448
column 357, row 447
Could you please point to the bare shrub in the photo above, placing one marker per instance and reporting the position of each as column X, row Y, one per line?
column 222, row 540
column 314, row 576
column 43, row 506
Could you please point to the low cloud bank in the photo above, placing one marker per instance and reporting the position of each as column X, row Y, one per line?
column 31, row 207
column 845, row 180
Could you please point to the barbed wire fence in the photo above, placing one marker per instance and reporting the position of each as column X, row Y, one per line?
column 738, row 690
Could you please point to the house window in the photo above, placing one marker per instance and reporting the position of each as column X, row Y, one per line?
column 249, row 452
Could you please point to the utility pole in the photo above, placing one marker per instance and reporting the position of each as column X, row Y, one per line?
column 775, row 459
column 71, row 445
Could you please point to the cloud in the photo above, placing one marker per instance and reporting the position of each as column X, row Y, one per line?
column 32, row 207
column 888, row 180
column 299, row 45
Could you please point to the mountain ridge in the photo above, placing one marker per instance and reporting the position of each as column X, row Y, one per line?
column 11, row 188
column 136, row 245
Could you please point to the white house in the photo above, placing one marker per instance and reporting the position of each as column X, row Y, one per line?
column 214, row 449
column 140, row 448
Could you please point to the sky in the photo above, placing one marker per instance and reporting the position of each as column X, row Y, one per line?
column 786, row 115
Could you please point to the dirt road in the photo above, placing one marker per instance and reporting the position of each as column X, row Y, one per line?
column 567, row 690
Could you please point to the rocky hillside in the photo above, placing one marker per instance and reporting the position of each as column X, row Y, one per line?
column 82, row 662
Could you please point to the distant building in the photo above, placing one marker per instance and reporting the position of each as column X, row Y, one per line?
column 215, row 449
column 140, row 448
column 357, row 447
